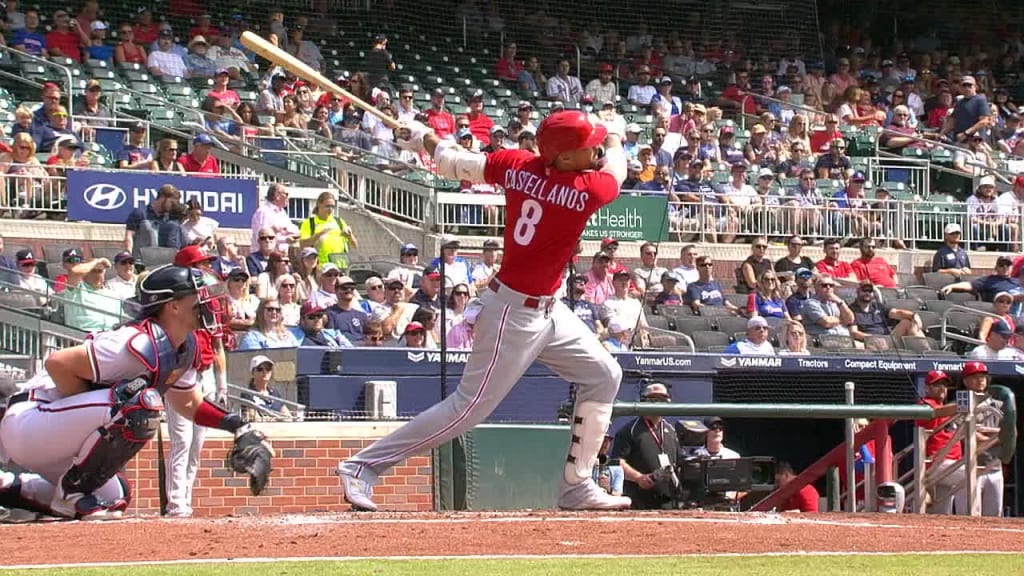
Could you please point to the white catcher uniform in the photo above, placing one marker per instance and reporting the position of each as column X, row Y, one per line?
column 49, row 435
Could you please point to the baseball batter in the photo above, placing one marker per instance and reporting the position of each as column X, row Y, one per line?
column 548, row 199
column 97, row 404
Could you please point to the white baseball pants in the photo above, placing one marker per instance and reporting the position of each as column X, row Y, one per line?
column 946, row 490
column 186, row 439
column 988, row 499
column 508, row 337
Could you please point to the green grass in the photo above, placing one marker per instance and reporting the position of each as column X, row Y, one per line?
column 912, row 565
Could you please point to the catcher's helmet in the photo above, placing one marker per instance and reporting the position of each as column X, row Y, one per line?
column 567, row 131
column 975, row 367
column 168, row 283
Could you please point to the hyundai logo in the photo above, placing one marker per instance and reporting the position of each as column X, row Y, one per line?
column 105, row 196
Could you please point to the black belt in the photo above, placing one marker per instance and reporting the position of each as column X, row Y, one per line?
column 19, row 397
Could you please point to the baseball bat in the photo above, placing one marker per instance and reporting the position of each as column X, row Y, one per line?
column 161, row 469
column 264, row 48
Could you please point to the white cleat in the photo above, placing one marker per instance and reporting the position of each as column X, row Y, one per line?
column 587, row 495
column 358, row 492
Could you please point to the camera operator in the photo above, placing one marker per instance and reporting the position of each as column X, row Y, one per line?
column 714, row 448
column 646, row 449
column 608, row 471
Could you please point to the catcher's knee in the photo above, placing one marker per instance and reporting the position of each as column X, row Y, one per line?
column 135, row 423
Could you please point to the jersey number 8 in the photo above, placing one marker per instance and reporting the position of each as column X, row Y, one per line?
column 526, row 225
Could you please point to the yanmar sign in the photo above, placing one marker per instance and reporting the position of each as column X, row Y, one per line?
column 750, row 362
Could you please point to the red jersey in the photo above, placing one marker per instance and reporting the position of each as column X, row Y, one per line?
column 480, row 125
column 442, row 122
column 806, row 500
column 69, row 43
column 820, row 138
column 938, row 440
column 744, row 98
column 839, row 269
column 547, row 211
column 145, row 35
column 209, row 166
column 876, row 270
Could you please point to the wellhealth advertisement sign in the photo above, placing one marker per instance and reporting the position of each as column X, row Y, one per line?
column 633, row 218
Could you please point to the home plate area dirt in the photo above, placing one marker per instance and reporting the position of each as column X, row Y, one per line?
column 496, row 533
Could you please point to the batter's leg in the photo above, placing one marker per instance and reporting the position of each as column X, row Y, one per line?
column 575, row 354
column 507, row 340
column 180, row 431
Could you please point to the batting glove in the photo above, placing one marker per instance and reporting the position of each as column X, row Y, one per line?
column 410, row 136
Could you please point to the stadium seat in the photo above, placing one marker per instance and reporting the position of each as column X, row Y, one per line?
column 659, row 322
column 834, row 341
column 961, row 297
column 937, row 280
column 704, row 339
column 674, row 310
column 731, row 324
column 939, row 306
column 691, row 324
column 921, row 294
column 918, row 344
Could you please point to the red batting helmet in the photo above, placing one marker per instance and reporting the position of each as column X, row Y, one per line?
column 975, row 367
column 567, row 131
column 936, row 377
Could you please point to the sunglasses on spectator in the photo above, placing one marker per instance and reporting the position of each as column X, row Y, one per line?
column 345, row 288
column 460, row 293
column 374, row 338
column 762, row 246
column 262, row 238
column 264, row 368
column 313, row 316
column 395, row 288
column 707, row 265
column 287, row 285
column 273, row 309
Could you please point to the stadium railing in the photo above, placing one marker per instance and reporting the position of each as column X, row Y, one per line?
column 20, row 57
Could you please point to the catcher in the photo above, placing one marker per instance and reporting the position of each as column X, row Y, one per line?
column 75, row 425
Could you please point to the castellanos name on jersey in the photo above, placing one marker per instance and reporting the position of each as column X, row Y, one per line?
column 539, row 188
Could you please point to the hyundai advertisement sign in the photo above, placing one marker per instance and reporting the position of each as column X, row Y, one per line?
column 108, row 197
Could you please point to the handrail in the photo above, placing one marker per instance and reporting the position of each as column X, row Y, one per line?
column 959, row 337
column 932, row 143
column 799, row 107
column 164, row 102
column 67, row 71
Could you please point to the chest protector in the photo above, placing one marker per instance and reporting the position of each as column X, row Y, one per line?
column 163, row 362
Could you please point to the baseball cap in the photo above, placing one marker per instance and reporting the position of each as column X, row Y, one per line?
column 124, row 256
column 25, row 256
column 696, row 163
column 202, row 139
column 329, row 267
column 665, row 80
column 765, row 173
column 308, row 252
column 967, row 80
column 190, row 256
column 634, row 165
column 200, row 39
column 602, row 255
column 1002, row 294
column 67, row 141
column 166, row 33
column 97, row 25
column 783, row 89
column 886, row 62
column 936, row 376
column 497, row 128
column 373, row 281
column 72, row 255
column 656, row 390
column 858, row 176
column 1001, row 328
column 525, row 105
column 700, row 108
column 606, row 67
column 344, row 281
column 492, row 245
column 758, row 129
column 431, row 272
column 634, row 128
column 476, row 95
column 527, row 133
column 138, row 127
column 713, row 421
column 671, row 275
column 757, row 322
column 621, row 274
column 608, row 242
column 310, row 307
column 738, row 167
column 238, row 274
column 409, row 248
column 727, row 130
column 986, row 181
column 952, row 228
column 394, row 282
column 222, row 71
column 414, row 327
column 826, row 280
column 93, row 84
column 259, row 360
column 804, row 273
column 449, row 241
column 464, row 133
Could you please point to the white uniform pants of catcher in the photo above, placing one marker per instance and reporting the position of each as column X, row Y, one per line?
column 186, row 439
column 508, row 337
column 48, row 438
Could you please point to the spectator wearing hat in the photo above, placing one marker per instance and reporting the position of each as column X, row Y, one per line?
column 122, row 284
column 498, row 141
column 89, row 110
column 308, row 52
column 632, row 143
column 803, row 279
column 325, row 295
column 756, row 342
column 997, row 344
column 872, row 268
column 599, row 279
column 586, row 311
column 673, row 287
column 619, row 335
column 409, row 271
column 603, row 88
column 67, row 37
column 27, row 38
column 991, row 224
column 264, row 397
column 563, row 87
column 726, row 152
column 986, row 287
column 850, row 213
column 271, row 100
column 312, row 330
column 642, row 92
column 528, row 140
column 69, row 259
column 379, row 63
column 221, row 90
column 396, row 312
column 760, row 150
column 438, row 117
column 241, row 303
column 951, row 258
column 98, row 49
column 624, row 302
column 457, row 269
column 414, row 336
column 346, row 315
column 163, row 61
column 67, row 153
column 488, row 266
column 643, row 446
column 375, row 297
column 873, row 318
column 28, row 277
column 663, row 103
column 479, row 123
column 135, row 155
column 88, row 306
column 970, row 115
column 200, row 159
column 429, row 292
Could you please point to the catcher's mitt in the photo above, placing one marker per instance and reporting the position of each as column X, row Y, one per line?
column 251, row 455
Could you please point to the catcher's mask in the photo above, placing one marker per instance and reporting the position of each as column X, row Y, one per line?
column 169, row 283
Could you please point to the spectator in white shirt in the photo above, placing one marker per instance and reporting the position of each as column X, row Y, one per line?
column 409, row 272
column 687, row 268
column 229, row 57
column 273, row 214
column 406, row 111
column 756, row 343
column 270, row 101
column 488, row 265
column 641, row 93
column 122, row 284
column 996, row 346
column 163, row 61
column 29, row 279
column 563, row 87
column 648, row 277
column 603, row 88
column 326, row 294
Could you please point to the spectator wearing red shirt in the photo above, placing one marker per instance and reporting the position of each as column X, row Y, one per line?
column 738, row 96
column 832, row 266
column 439, row 118
column 822, row 139
column 806, row 500
column 873, row 268
column 66, row 39
column 145, row 30
column 936, row 384
column 944, row 105
column 200, row 160
column 479, row 123
column 507, row 68
column 610, row 246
